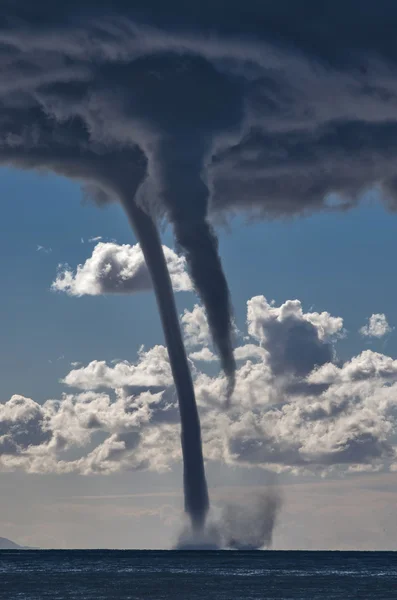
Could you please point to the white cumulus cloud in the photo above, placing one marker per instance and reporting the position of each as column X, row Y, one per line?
column 377, row 326
column 204, row 354
column 117, row 269
column 195, row 327
column 295, row 407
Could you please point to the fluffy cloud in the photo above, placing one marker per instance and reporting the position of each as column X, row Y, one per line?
column 296, row 342
column 295, row 408
column 195, row 325
column 22, row 424
column 118, row 269
column 204, row 354
column 377, row 326
column 152, row 369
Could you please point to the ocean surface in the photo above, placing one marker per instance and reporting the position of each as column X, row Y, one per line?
column 154, row 575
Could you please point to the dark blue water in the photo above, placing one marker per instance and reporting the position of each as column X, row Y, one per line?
column 154, row 575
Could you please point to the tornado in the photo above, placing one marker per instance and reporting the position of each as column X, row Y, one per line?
column 194, row 481
column 178, row 103
column 178, row 172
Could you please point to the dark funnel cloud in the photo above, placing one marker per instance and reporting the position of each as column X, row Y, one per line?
column 192, row 111
column 195, row 486
column 180, row 104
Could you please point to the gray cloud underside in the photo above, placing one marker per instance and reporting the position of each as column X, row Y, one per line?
column 288, row 112
column 288, row 414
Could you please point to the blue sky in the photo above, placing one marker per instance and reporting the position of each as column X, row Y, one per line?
column 342, row 263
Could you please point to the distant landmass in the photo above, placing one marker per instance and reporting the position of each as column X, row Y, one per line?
column 6, row 544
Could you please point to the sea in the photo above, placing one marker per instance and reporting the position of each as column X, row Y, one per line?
column 191, row 575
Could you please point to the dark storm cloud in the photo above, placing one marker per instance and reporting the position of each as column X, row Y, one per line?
column 273, row 106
